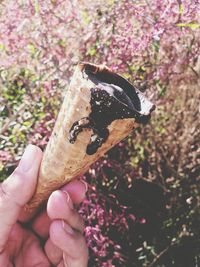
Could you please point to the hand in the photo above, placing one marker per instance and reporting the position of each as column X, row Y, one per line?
column 52, row 238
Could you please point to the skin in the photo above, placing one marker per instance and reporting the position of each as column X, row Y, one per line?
column 55, row 236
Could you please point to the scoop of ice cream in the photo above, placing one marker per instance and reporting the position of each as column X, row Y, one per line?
column 112, row 98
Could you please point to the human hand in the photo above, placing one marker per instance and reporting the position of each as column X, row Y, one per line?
column 52, row 238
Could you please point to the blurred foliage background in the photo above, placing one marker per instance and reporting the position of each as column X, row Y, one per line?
column 143, row 204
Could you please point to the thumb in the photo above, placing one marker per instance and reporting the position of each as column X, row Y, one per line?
column 16, row 191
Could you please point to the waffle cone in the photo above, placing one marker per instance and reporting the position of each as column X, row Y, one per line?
column 63, row 161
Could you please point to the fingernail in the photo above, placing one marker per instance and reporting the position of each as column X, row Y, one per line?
column 67, row 228
column 85, row 184
column 69, row 201
column 28, row 158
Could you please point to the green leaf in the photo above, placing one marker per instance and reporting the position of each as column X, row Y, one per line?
column 191, row 25
column 126, row 75
column 62, row 42
column 1, row 166
column 133, row 68
column 37, row 7
column 161, row 89
column 85, row 17
column 156, row 45
column 27, row 123
column 111, row 2
column 92, row 51
column 2, row 47
column 41, row 115
column 31, row 49
column 142, row 257
column 139, row 249
column 4, row 74
column 13, row 139
column 181, row 9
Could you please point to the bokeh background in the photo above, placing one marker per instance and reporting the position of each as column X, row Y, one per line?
column 143, row 203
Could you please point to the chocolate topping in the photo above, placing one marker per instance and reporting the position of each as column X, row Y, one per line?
column 112, row 98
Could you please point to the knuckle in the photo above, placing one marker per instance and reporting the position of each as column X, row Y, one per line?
column 78, row 242
column 7, row 196
column 80, row 223
column 55, row 231
column 72, row 243
column 75, row 220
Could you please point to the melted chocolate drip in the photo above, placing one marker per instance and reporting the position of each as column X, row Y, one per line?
column 112, row 98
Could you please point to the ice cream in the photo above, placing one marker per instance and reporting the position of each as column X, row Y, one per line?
column 99, row 110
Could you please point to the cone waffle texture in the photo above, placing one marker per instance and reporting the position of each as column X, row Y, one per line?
column 63, row 161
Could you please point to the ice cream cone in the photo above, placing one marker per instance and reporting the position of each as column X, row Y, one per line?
column 64, row 160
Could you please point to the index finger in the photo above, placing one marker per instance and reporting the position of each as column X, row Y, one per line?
column 16, row 191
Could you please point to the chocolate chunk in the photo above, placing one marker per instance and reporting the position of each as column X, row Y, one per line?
column 112, row 98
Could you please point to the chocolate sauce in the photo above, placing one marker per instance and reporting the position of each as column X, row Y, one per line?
column 112, row 98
